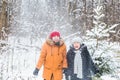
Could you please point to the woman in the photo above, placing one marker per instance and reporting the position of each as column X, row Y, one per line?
column 52, row 57
column 80, row 64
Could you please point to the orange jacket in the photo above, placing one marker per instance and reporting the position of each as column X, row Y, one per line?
column 53, row 59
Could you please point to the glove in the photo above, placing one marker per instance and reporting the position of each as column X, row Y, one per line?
column 75, row 76
column 35, row 72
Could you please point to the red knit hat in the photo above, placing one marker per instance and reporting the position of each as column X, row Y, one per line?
column 54, row 33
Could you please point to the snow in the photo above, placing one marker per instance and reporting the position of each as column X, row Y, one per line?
column 19, row 57
column 19, row 60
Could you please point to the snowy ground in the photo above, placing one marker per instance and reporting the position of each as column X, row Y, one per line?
column 18, row 60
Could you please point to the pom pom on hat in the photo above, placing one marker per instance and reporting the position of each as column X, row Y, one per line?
column 54, row 33
column 77, row 39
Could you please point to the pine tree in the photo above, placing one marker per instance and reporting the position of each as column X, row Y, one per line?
column 101, row 30
column 98, row 35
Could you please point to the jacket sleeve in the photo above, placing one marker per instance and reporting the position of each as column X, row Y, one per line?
column 42, row 57
column 64, row 58
column 69, row 59
column 92, row 66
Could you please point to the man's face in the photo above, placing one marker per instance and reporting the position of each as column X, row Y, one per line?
column 76, row 45
column 56, row 38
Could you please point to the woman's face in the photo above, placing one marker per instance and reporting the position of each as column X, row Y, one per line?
column 56, row 38
column 76, row 45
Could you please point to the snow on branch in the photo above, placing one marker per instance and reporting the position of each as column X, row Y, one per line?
column 71, row 35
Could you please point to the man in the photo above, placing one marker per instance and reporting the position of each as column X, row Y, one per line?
column 52, row 57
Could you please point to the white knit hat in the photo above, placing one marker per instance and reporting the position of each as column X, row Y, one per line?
column 77, row 39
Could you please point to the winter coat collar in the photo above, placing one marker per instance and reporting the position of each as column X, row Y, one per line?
column 51, row 43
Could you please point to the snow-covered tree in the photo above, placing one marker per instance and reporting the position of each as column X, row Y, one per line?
column 98, row 36
column 101, row 30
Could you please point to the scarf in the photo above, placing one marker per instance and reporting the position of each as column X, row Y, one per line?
column 78, row 64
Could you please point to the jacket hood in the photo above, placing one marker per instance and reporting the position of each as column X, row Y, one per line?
column 50, row 42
